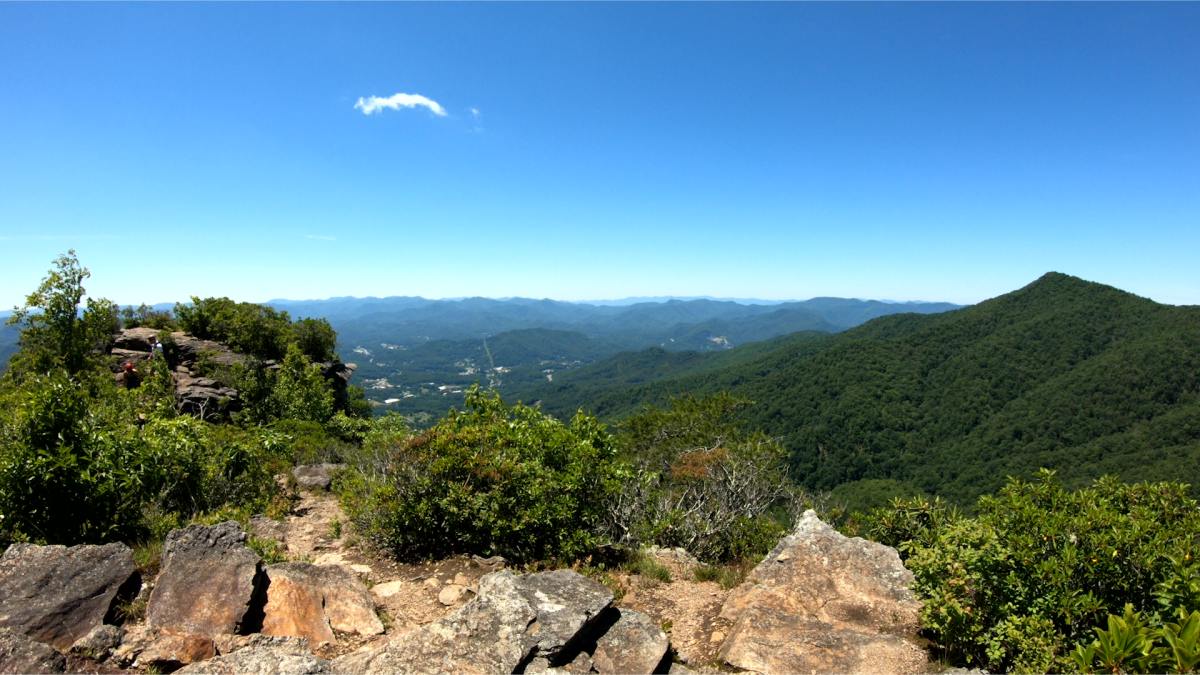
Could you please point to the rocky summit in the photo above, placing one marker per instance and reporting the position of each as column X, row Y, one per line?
column 818, row 603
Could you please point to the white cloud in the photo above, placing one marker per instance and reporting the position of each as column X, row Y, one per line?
column 376, row 104
column 474, row 112
column 314, row 236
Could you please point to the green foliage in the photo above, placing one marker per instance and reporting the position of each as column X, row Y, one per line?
column 640, row 563
column 1018, row 587
column 254, row 329
column 1131, row 645
column 77, row 464
column 147, row 317
column 493, row 479
column 269, row 550
column 315, row 338
column 249, row 328
column 53, row 332
column 699, row 482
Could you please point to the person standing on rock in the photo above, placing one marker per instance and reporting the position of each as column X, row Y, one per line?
column 156, row 349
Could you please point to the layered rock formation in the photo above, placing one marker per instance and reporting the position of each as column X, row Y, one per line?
column 823, row 603
column 199, row 395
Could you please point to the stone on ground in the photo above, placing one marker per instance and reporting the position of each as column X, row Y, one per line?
column 311, row 601
column 263, row 656
column 822, row 603
column 315, row 476
column 100, row 643
column 451, row 594
column 144, row 647
column 567, row 603
column 56, row 594
column 20, row 654
column 208, row 581
column 634, row 644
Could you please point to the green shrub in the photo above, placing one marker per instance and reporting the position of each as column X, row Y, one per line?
column 1021, row 585
column 492, row 480
column 699, row 482
column 246, row 327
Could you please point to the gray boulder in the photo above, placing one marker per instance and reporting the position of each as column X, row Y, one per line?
column 567, row 604
column 633, row 644
column 57, row 595
column 208, row 581
column 315, row 476
column 19, row 654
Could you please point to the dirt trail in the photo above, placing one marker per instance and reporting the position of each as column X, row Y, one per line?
column 412, row 595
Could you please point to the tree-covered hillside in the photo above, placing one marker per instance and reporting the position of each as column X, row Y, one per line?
column 1064, row 374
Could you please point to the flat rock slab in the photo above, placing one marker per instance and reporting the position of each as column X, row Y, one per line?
column 486, row 635
column 311, row 601
column 265, row 656
column 633, row 644
column 20, row 654
column 824, row 603
column 567, row 603
column 56, row 594
column 315, row 476
column 208, row 581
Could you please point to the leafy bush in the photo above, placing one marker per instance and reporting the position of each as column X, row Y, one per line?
column 257, row 330
column 147, row 317
column 699, row 482
column 492, row 480
column 1131, row 645
column 76, row 467
column 1027, row 581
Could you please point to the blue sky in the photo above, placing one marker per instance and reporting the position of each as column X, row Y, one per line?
column 905, row 151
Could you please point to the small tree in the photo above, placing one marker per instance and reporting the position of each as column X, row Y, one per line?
column 54, row 334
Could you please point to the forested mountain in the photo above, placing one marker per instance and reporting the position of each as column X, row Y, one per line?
column 1065, row 374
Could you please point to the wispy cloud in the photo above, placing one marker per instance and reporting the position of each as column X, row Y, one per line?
column 478, row 118
column 376, row 104
column 316, row 236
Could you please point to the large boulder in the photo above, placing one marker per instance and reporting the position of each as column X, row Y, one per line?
column 545, row 618
column 311, row 601
column 823, row 603
column 632, row 644
column 487, row 635
column 57, row 595
column 567, row 604
column 208, row 581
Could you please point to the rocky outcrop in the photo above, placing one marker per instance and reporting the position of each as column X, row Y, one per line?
column 823, row 603
column 491, row 634
column 311, row 601
column 56, row 595
column 196, row 392
column 208, row 582
column 100, row 643
column 533, row 623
